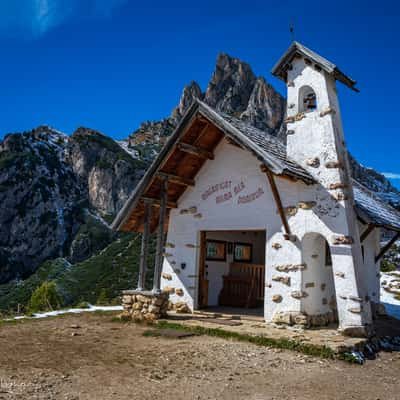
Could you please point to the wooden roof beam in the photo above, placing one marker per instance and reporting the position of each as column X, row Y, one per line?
column 157, row 203
column 195, row 151
column 387, row 247
column 136, row 223
column 288, row 235
column 180, row 180
column 202, row 132
column 367, row 231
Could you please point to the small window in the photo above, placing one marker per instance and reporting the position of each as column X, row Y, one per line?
column 215, row 250
column 328, row 255
column 307, row 99
column 243, row 252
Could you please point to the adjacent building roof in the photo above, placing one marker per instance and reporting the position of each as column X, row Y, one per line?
column 270, row 151
column 297, row 49
column 373, row 210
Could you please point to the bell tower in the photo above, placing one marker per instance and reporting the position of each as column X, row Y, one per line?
column 314, row 128
column 315, row 140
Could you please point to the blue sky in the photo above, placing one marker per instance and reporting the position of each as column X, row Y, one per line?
column 110, row 64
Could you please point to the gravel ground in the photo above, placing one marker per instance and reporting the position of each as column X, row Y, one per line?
column 90, row 357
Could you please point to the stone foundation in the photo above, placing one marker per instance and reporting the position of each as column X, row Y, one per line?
column 302, row 319
column 144, row 305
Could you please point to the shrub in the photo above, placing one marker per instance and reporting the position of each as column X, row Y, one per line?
column 44, row 298
column 82, row 304
column 104, row 298
column 387, row 266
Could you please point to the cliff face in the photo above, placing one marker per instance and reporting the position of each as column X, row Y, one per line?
column 40, row 198
column 107, row 172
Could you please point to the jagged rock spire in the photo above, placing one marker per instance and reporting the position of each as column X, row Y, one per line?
column 231, row 85
column 189, row 93
column 265, row 108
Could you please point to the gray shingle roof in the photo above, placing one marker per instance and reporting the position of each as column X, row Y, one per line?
column 374, row 210
column 268, row 148
column 297, row 48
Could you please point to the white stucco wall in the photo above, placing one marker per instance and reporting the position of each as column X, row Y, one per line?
column 317, row 278
column 371, row 269
column 237, row 167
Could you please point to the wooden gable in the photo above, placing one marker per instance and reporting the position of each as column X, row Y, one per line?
column 195, row 146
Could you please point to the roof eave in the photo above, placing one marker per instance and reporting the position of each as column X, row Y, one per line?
column 365, row 217
column 233, row 133
column 330, row 68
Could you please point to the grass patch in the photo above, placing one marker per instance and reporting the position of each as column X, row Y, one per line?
column 348, row 358
column 280, row 343
column 152, row 333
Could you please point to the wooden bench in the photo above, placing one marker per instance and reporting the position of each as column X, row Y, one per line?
column 243, row 286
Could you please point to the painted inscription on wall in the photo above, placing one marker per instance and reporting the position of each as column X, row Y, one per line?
column 227, row 190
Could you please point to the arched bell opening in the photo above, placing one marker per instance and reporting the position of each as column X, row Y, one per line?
column 307, row 99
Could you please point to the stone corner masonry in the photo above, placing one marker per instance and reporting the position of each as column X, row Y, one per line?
column 140, row 305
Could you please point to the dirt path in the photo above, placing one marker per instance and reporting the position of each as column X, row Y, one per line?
column 90, row 357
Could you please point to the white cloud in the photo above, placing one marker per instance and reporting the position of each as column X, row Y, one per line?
column 391, row 175
column 33, row 18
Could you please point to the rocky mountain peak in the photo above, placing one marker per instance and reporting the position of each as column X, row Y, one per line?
column 265, row 108
column 42, row 135
column 189, row 94
column 231, row 85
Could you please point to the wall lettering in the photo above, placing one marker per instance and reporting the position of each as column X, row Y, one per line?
column 216, row 188
column 229, row 194
column 248, row 198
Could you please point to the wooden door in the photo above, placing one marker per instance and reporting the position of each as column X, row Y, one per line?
column 203, row 280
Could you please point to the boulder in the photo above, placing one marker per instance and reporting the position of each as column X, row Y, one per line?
column 276, row 298
column 127, row 299
column 149, row 317
column 282, row 318
column 301, row 319
column 154, row 309
column 137, row 316
column 137, row 306
column 182, row 307
column 140, row 298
